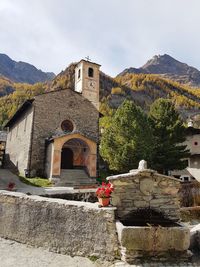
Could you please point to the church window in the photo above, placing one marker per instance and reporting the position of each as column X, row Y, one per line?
column 79, row 74
column 90, row 72
column 67, row 126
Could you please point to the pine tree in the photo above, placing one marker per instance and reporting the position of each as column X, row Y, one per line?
column 169, row 133
column 128, row 139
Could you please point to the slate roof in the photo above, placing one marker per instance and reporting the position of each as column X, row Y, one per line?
column 18, row 113
column 61, row 134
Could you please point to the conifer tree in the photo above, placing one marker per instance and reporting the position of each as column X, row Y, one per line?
column 128, row 139
column 169, row 133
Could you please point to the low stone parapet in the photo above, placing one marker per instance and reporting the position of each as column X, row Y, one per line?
column 67, row 227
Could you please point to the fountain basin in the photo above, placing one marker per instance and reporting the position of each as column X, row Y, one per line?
column 155, row 242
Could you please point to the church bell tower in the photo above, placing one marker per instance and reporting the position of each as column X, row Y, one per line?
column 87, row 81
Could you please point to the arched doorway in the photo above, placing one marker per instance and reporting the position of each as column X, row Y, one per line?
column 75, row 154
column 67, row 158
column 84, row 155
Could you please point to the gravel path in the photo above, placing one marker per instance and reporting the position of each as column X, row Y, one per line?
column 13, row 254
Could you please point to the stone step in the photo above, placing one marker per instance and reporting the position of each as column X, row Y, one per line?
column 74, row 173
column 75, row 184
column 75, row 177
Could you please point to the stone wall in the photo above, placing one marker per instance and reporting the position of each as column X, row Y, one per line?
column 48, row 165
column 146, row 189
column 51, row 110
column 19, row 141
column 67, row 227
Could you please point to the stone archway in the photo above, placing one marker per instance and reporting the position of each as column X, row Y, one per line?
column 88, row 159
column 75, row 154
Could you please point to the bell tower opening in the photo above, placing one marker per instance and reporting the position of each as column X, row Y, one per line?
column 90, row 72
column 87, row 81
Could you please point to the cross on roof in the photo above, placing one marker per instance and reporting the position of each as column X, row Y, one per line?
column 88, row 58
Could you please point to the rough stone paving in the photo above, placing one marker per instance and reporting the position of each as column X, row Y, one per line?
column 20, row 255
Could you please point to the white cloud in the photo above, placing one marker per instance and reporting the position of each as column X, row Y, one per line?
column 117, row 34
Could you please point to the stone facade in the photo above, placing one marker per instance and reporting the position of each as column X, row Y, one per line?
column 39, row 121
column 51, row 110
column 67, row 227
column 146, row 189
column 18, row 143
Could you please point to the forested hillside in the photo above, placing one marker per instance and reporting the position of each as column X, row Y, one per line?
column 143, row 89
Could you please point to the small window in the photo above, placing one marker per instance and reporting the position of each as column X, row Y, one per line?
column 67, row 126
column 79, row 74
column 90, row 72
column 196, row 143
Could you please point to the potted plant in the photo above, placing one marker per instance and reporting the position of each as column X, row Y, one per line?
column 103, row 194
column 11, row 186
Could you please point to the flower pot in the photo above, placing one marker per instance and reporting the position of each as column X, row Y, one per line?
column 104, row 201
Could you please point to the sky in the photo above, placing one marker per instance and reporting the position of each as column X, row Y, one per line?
column 50, row 34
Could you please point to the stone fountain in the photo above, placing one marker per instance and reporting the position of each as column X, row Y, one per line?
column 148, row 216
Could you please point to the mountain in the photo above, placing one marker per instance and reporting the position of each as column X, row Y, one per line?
column 168, row 67
column 22, row 72
column 143, row 89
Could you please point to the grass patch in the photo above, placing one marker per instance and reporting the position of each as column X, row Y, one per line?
column 93, row 258
column 37, row 181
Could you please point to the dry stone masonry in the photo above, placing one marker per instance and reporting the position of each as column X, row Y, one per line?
column 148, row 213
column 146, row 189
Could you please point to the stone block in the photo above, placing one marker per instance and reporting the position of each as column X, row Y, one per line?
column 141, row 204
column 140, row 242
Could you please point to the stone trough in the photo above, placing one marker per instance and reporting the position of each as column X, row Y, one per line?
column 148, row 216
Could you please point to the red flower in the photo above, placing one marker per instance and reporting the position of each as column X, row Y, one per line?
column 105, row 190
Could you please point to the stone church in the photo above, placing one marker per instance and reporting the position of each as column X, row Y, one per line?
column 55, row 134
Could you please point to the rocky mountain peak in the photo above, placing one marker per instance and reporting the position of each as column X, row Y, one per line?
column 169, row 67
column 22, row 71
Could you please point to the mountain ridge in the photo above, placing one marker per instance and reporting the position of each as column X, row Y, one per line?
column 168, row 67
column 22, row 72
